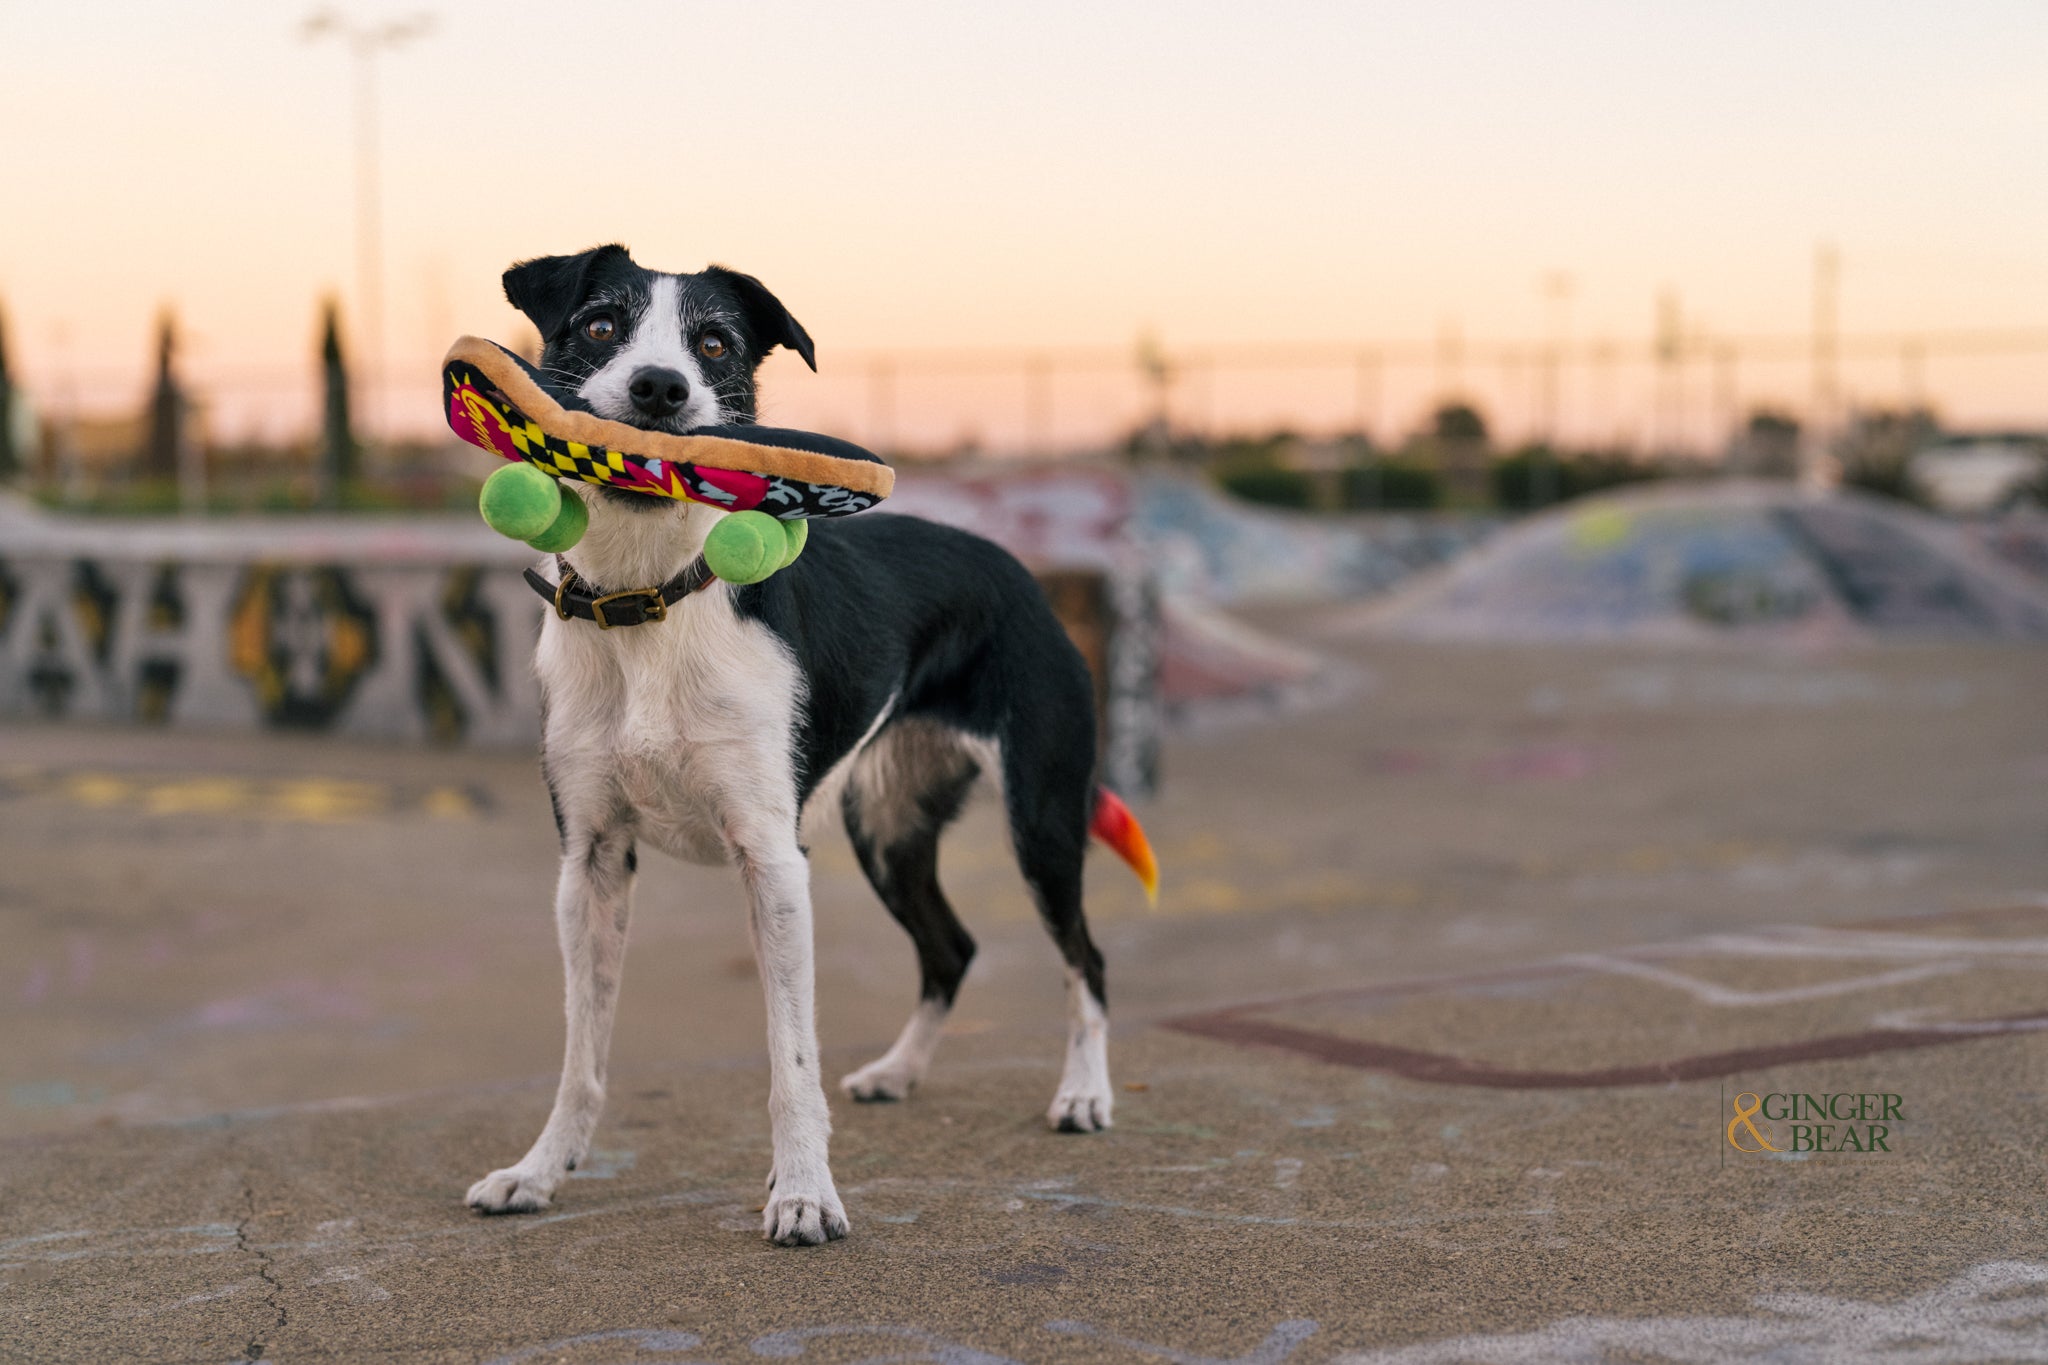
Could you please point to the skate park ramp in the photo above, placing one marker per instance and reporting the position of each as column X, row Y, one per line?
column 1742, row 561
column 1224, row 567
column 1205, row 544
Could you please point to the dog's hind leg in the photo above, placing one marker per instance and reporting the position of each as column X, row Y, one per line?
column 1082, row 1103
column 593, row 901
column 901, row 793
column 1048, row 799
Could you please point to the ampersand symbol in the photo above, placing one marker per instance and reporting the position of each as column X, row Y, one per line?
column 1746, row 1118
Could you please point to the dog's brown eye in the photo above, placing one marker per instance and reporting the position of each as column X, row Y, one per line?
column 711, row 346
column 600, row 328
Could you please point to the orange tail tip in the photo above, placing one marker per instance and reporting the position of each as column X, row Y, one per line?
column 1116, row 826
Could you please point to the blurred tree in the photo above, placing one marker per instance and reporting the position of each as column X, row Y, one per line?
column 1768, row 447
column 1274, row 485
column 1383, row 483
column 1877, row 445
column 1458, row 423
column 1531, row 477
column 1260, row 469
column 1456, row 443
column 1270, row 449
column 337, row 439
column 166, row 405
column 1536, row 476
column 10, row 458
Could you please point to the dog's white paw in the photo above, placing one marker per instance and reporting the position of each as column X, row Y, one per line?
column 804, row 1214
column 1079, row 1110
column 513, row 1190
column 879, row 1080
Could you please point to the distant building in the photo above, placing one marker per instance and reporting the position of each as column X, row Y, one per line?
column 1981, row 473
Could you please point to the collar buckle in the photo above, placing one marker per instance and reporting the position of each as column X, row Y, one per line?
column 655, row 610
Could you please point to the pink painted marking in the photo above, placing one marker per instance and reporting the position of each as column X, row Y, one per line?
column 472, row 417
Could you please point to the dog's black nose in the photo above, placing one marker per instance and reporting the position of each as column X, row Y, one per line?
column 658, row 392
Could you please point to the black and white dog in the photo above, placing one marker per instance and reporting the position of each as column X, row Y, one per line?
column 892, row 664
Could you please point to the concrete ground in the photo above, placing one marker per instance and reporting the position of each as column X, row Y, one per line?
column 1432, row 1051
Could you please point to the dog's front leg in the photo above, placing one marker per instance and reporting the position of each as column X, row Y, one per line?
column 803, row 1207
column 593, row 901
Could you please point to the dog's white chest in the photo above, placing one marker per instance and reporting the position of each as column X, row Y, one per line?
column 675, row 805
column 690, row 719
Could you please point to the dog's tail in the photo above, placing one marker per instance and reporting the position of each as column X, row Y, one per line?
column 1114, row 824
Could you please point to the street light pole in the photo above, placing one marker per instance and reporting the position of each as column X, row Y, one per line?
column 1822, row 412
column 365, row 43
column 1543, row 470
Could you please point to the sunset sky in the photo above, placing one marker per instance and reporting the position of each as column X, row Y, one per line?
column 1052, row 176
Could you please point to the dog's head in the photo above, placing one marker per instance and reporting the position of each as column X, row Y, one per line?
column 659, row 351
column 663, row 352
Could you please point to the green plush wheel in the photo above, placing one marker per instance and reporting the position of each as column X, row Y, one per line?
column 521, row 502
column 566, row 529
column 526, row 504
column 798, row 534
column 745, row 547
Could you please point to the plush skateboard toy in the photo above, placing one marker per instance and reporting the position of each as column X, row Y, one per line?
column 770, row 480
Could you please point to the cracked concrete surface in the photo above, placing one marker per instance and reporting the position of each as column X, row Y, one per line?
column 273, row 1292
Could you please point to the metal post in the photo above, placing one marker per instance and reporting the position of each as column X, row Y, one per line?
column 1366, row 396
column 1670, row 344
column 369, row 233
column 1725, row 399
column 1038, row 405
column 191, row 458
column 1821, row 414
column 1543, row 471
column 882, row 406
column 365, row 43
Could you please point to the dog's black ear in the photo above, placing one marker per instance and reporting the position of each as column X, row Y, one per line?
column 548, row 288
column 771, row 323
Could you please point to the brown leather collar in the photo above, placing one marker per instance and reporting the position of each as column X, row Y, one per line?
column 632, row 607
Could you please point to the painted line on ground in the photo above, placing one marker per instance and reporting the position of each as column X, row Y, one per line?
column 1891, row 1031
column 1440, row 1068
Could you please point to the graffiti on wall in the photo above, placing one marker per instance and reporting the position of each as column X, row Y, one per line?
column 424, row 629
column 399, row 651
